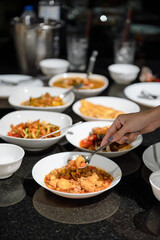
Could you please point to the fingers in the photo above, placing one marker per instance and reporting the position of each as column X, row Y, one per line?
column 129, row 138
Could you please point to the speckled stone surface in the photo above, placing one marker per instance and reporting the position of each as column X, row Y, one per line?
column 129, row 211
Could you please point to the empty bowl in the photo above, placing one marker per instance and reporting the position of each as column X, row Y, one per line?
column 123, row 73
column 154, row 180
column 52, row 66
column 10, row 160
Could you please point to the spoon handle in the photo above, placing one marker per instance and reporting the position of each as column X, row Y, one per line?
column 60, row 130
column 70, row 90
column 99, row 149
column 91, row 63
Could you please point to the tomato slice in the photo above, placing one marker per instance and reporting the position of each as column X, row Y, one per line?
column 85, row 143
column 92, row 137
column 11, row 134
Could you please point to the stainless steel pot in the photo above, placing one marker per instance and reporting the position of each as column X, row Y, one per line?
column 35, row 42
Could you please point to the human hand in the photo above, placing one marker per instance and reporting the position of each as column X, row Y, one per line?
column 127, row 127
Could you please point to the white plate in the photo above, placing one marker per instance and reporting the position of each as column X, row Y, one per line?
column 82, row 93
column 78, row 132
column 45, row 165
column 120, row 104
column 6, row 90
column 23, row 94
column 133, row 91
column 16, row 117
column 149, row 158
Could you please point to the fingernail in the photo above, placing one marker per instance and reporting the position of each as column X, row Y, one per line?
column 110, row 138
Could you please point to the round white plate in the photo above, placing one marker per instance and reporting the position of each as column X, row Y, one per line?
column 134, row 90
column 119, row 104
column 45, row 165
column 78, row 132
column 6, row 90
column 149, row 157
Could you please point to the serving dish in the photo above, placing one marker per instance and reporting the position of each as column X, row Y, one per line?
column 81, row 131
column 154, row 180
column 119, row 104
column 52, row 66
column 11, row 159
column 149, row 157
column 82, row 93
column 133, row 92
column 45, row 165
column 17, row 117
column 23, row 94
column 123, row 73
column 16, row 80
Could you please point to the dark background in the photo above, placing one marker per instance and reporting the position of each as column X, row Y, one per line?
column 144, row 13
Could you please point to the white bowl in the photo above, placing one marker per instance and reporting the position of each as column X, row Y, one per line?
column 52, row 66
column 16, row 117
column 23, row 94
column 154, row 180
column 119, row 104
column 10, row 160
column 78, row 132
column 45, row 165
column 123, row 73
column 82, row 93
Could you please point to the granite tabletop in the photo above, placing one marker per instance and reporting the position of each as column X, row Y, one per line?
column 127, row 211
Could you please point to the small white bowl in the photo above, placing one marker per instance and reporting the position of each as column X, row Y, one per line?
column 23, row 94
column 78, row 132
column 123, row 73
column 52, row 66
column 119, row 104
column 154, row 180
column 10, row 160
column 45, row 165
column 82, row 93
column 16, row 117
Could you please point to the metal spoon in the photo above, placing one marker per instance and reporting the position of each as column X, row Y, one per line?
column 60, row 130
column 88, row 157
column 91, row 63
column 62, row 95
column 147, row 95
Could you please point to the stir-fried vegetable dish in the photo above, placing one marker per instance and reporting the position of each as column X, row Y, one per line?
column 45, row 100
column 74, row 81
column 93, row 141
column 33, row 130
column 72, row 179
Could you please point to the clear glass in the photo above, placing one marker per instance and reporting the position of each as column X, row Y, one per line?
column 124, row 52
column 77, row 52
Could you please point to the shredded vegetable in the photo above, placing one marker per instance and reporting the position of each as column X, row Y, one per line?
column 33, row 130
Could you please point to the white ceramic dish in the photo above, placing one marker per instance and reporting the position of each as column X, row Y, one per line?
column 6, row 90
column 149, row 157
column 16, row 117
column 123, row 73
column 45, row 165
column 52, row 66
column 133, row 91
column 78, row 132
column 154, row 180
column 23, row 94
column 10, row 160
column 82, row 93
column 120, row 104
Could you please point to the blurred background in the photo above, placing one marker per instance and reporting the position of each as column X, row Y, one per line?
column 100, row 20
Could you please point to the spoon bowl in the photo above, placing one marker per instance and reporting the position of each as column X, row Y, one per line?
column 88, row 157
